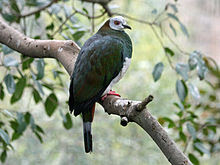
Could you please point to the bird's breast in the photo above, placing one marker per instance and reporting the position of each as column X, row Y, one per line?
column 126, row 64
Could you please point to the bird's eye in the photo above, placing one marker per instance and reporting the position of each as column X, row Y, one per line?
column 116, row 22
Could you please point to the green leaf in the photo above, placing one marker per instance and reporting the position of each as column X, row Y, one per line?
column 48, row 86
column 9, row 17
column 77, row 35
column 191, row 130
column 6, row 50
column 14, row 6
column 27, row 117
column 36, row 95
column 192, row 62
column 37, row 15
column 2, row 93
column 205, row 131
column 10, row 84
column 40, row 69
column 26, row 63
column 50, row 27
column 32, row 123
column 181, row 90
column 182, row 69
column 166, row 119
column 154, row 11
column 193, row 159
column 15, row 136
column 14, row 125
column 173, row 29
column 19, row 90
column 56, row 73
column 202, row 69
column 39, row 137
column 39, row 129
column 22, row 125
column 37, row 37
column 10, row 61
column 37, row 83
column 182, row 136
column 173, row 6
column 173, row 16
column 169, row 51
column 179, row 105
column 51, row 104
column 67, row 121
column 184, row 29
column 194, row 91
column 3, row 156
column 199, row 146
column 212, row 127
column 85, row 10
column 4, row 136
column 158, row 69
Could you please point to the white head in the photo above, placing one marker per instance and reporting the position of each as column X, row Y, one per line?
column 118, row 23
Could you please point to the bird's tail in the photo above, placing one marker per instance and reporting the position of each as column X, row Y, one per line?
column 87, row 130
column 87, row 136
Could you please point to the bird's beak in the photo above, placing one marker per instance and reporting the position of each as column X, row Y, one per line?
column 126, row 26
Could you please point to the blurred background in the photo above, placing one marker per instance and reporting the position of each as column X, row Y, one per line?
column 114, row 144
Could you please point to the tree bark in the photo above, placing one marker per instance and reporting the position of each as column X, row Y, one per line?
column 130, row 111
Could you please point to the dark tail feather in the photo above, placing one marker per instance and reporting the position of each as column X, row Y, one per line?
column 87, row 136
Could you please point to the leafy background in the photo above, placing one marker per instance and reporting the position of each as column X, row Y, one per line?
column 174, row 59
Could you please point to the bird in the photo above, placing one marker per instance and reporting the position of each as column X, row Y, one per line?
column 102, row 62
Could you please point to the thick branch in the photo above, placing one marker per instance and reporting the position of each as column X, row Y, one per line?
column 66, row 52
column 130, row 110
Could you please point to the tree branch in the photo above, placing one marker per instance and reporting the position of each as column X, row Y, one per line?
column 130, row 109
column 64, row 51
column 133, row 111
column 38, row 10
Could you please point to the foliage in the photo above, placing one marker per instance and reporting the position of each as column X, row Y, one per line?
column 197, row 124
column 42, row 81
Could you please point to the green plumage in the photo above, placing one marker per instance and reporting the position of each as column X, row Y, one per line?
column 100, row 60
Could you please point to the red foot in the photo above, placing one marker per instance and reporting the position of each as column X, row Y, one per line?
column 110, row 93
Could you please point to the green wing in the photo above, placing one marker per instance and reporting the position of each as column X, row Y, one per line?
column 98, row 63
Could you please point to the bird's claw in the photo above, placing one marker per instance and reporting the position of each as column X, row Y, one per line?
column 110, row 93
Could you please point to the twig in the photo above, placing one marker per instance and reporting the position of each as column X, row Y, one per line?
column 38, row 10
column 108, row 11
column 162, row 45
column 103, row 3
column 190, row 137
column 88, row 16
column 177, row 46
column 159, row 15
column 139, row 107
column 64, row 22
column 24, row 28
column 134, row 19
column 143, row 104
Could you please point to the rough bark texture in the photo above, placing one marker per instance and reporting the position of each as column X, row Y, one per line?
column 64, row 51
column 133, row 111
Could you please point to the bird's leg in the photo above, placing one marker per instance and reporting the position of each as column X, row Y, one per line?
column 111, row 92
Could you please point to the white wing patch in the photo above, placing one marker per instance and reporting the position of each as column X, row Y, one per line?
column 119, row 76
